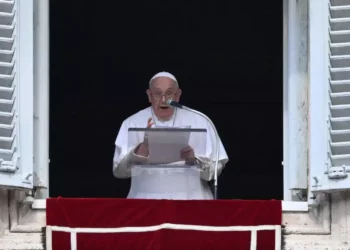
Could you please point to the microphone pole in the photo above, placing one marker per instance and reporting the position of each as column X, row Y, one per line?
column 217, row 150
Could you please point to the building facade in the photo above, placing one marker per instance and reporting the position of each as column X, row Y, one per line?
column 316, row 205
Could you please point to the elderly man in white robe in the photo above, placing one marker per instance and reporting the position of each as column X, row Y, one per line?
column 156, row 185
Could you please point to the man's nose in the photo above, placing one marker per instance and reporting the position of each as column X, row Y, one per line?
column 163, row 99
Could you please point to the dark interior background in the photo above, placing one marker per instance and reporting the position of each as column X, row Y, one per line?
column 226, row 55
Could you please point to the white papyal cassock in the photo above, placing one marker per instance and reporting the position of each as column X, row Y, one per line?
column 159, row 184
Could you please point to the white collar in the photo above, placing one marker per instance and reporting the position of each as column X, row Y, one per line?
column 172, row 118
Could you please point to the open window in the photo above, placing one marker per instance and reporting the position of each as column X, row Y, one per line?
column 16, row 94
column 303, row 117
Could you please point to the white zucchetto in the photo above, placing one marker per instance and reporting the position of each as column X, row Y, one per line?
column 163, row 74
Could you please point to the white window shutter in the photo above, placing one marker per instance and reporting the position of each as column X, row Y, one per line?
column 295, row 96
column 16, row 93
column 333, row 174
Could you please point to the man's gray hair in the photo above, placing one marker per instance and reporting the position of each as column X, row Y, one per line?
column 163, row 74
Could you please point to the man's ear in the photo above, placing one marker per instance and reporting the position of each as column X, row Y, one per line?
column 178, row 95
column 148, row 92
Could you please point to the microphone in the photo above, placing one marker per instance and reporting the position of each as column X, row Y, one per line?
column 217, row 150
column 174, row 104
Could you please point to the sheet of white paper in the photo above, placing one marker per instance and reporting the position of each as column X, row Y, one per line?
column 164, row 146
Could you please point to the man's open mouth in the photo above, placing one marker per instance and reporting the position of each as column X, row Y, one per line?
column 164, row 107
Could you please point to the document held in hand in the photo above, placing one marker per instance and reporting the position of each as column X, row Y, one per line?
column 165, row 144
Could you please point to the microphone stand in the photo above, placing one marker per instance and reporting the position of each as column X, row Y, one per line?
column 217, row 151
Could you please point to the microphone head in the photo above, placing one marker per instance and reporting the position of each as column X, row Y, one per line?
column 174, row 104
column 169, row 102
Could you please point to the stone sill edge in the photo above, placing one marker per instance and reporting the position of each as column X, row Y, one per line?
column 287, row 206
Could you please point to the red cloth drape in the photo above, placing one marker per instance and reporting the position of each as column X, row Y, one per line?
column 115, row 213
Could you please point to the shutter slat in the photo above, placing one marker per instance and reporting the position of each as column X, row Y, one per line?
column 6, row 130
column 6, row 93
column 6, row 80
column 340, row 74
column 340, row 49
column 6, row 6
column 342, row 36
column 340, row 98
column 338, row 86
column 6, row 18
column 339, row 2
column 340, row 61
column 340, row 148
column 340, row 11
column 6, row 43
column 340, row 24
column 6, row 155
column 6, row 142
column 6, row 105
column 6, row 118
column 338, row 111
column 7, row 31
column 6, row 56
column 341, row 160
column 341, row 123
column 340, row 135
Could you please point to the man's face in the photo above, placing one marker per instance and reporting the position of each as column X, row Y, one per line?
column 163, row 89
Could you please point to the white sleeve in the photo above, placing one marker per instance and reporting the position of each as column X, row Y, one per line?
column 207, row 163
column 122, row 158
column 208, row 168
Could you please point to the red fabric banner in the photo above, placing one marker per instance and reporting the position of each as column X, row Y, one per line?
column 118, row 213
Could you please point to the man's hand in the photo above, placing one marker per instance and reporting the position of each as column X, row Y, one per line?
column 142, row 149
column 187, row 154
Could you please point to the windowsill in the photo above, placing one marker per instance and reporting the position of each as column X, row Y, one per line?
column 295, row 206
column 39, row 204
column 287, row 206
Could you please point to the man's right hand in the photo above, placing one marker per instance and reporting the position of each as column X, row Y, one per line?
column 142, row 149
